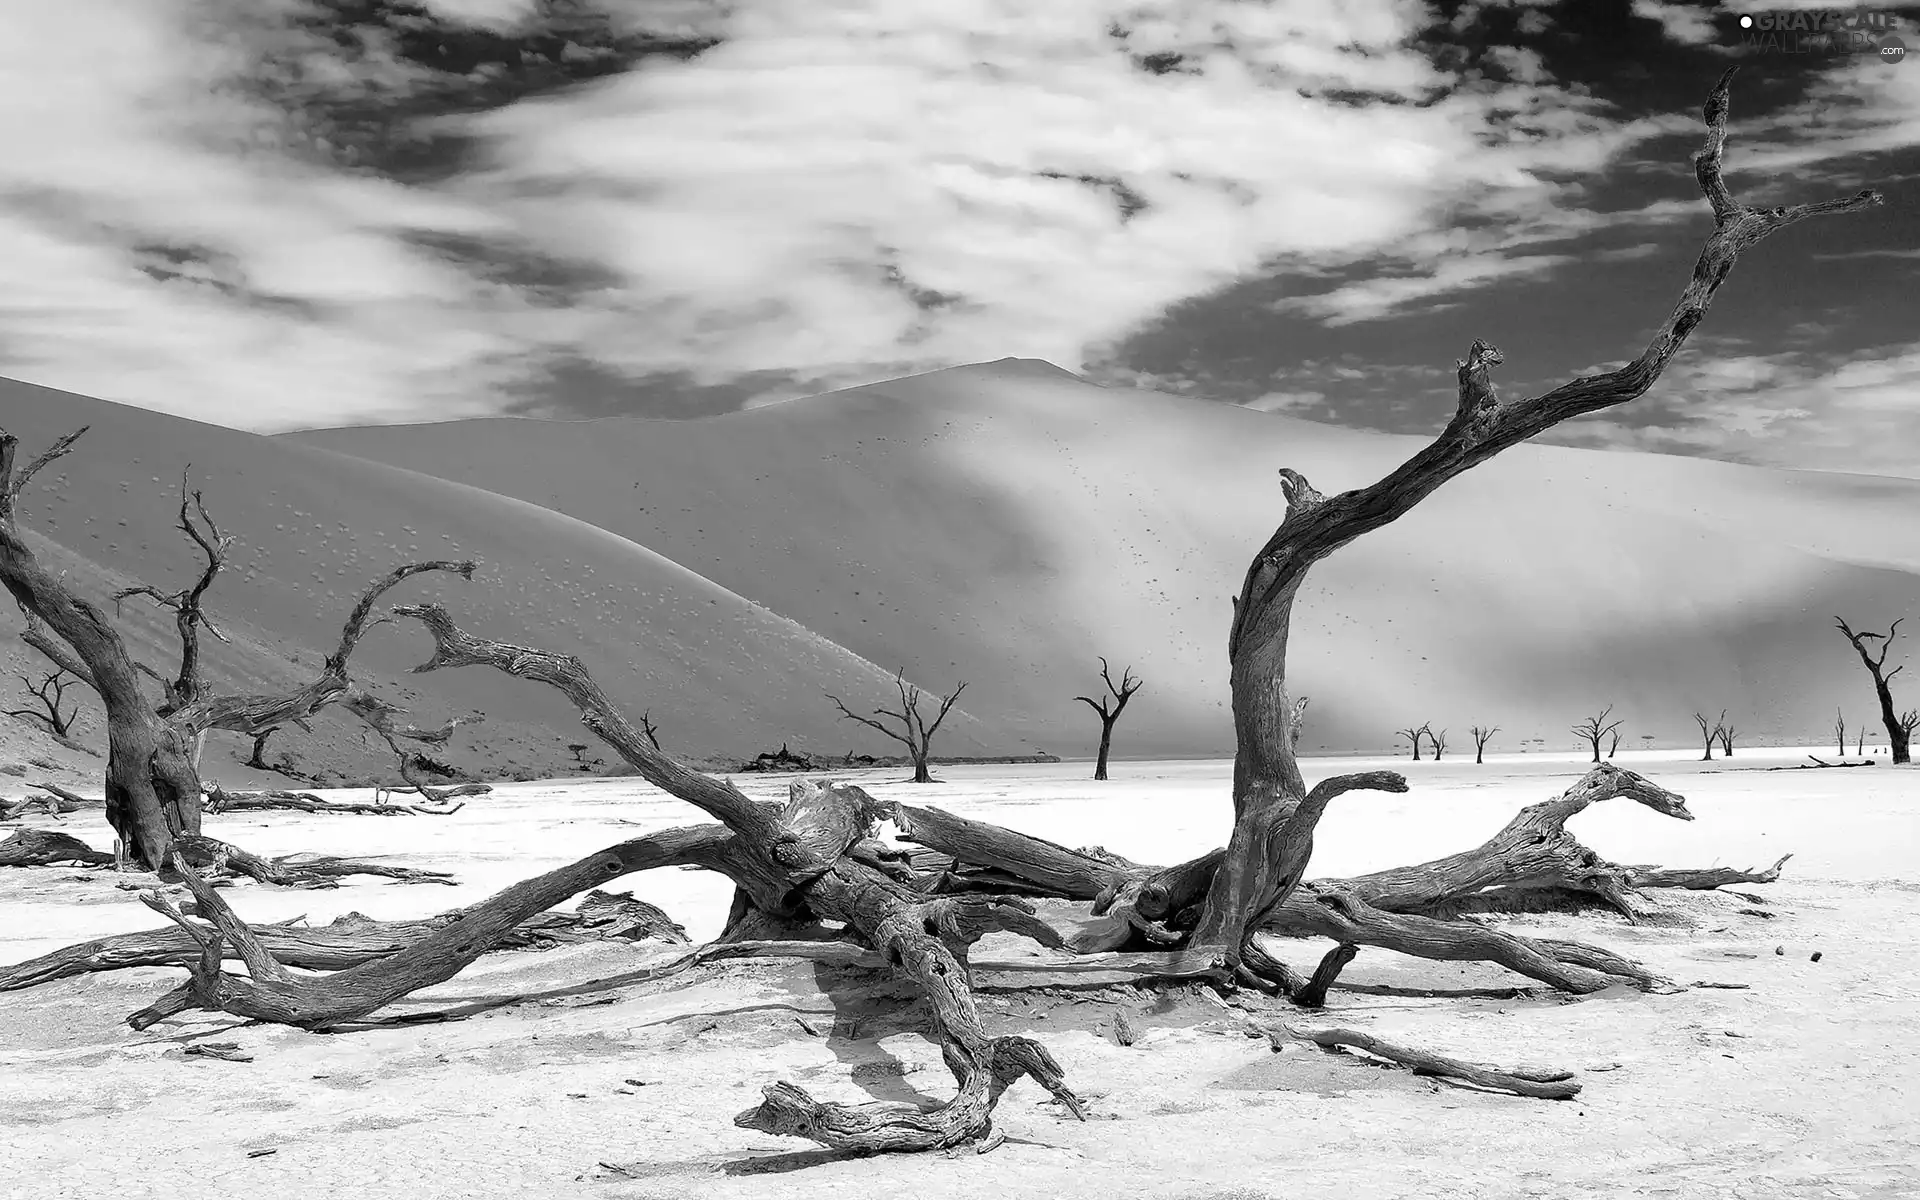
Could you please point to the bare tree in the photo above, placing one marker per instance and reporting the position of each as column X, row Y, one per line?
column 1840, row 731
column 1898, row 737
column 647, row 728
column 1727, row 733
column 1482, row 734
column 812, row 862
column 1860, row 739
column 914, row 733
column 1439, row 743
column 1710, row 733
column 1416, row 735
column 1109, row 707
column 51, row 691
column 256, row 758
column 1593, row 728
column 1614, row 744
column 1909, row 721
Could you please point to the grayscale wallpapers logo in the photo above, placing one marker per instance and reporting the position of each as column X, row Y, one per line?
column 1826, row 31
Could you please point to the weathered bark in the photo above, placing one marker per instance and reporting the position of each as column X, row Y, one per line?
column 1547, row 1084
column 290, row 870
column 221, row 800
column 348, row 941
column 914, row 733
column 1899, row 731
column 1109, row 708
column 1702, row 878
column 44, row 847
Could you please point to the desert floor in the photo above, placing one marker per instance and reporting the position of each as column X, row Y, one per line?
column 1803, row 1084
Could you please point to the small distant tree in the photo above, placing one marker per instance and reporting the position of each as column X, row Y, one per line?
column 51, row 692
column 1110, row 707
column 1727, row 732
column 1840, row 732
column 1646, row 741
column 1711, row 733
column 1482, row 734
column 257, row 758
column 647, row 727
column 914, row 732
column 1614, row 745
column 1416, row 735
column 1898, row 737
column 1593, row 728
column 1439, row 743
column 1860, row 740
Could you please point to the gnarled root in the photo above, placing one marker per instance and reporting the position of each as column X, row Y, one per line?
column 1539, row 1084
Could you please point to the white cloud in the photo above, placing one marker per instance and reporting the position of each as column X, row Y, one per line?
column 840, row 189
column 1684, row 23
column 1792, row 409
column 1287, row 401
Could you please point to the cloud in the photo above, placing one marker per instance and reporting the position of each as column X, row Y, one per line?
column 833, row 192
column 1684, row 23
column 1794, row 408
column 1288, row 402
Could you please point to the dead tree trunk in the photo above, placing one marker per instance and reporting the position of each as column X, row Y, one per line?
column 1708, row 733
column 1840, row 732
column 1481, row 736
column 1109, row 707
column 1439, row 743
column 914, row 733
column 1596, row 727
column 1899, row 734
column 153, row 787
column 1727, row 733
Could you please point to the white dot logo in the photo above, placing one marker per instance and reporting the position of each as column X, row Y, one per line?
column 1746, row 22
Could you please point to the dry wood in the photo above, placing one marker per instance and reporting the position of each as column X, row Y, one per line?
column 221, row 800
column 44, row 847
column 1703, row 879
column 1540, row 1084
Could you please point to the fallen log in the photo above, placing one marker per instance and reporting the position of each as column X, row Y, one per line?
column 291, row 870
column 44, row 847
column 221, row 800
column 1546, row 1084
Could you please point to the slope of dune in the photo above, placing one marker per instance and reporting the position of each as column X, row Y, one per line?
column 1007, row 523
column 719, row 673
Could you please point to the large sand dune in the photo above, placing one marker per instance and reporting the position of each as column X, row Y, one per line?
column 1007, row 523
column 718, row 671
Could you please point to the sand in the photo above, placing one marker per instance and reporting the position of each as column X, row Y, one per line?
column 1803, row 1084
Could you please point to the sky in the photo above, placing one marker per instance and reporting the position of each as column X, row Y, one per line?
column 281, row 214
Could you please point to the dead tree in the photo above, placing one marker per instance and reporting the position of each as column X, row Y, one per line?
column 153, row 786
column 51, row 692
column 914, row 733
column 1482, row 734
column 1614, row 744
column 647, row 728
column 1593, row 728
column 1727, row 734
column 1110, row 707
column 1708, row 733
column 809, row 863
column 1414, row 734
column 1899, row 735
column 1840, row 732
column 1439, row 743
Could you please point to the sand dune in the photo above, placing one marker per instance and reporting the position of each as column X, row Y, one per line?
column 719, row 672
column 1007, row 523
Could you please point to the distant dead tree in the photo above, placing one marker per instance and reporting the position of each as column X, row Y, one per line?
column 1710, row 733
column 1860, row 739
column 1909, row 721
column 1414, row 734
column 51, row 691
column 579, row 752
column 1840, row 731
column 647, row 727
column 914, row 733
column 1439, row 743
column 1594, row 728
column 1110, row 707
column 1727, row 732
column 1482, row 734
column 1898, row 736
column 1614, row 745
